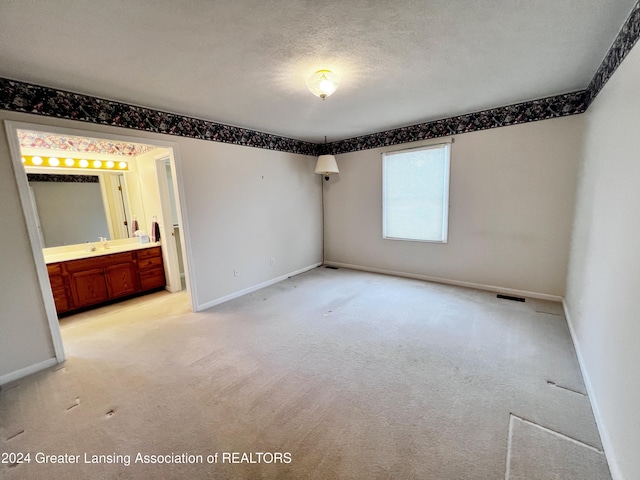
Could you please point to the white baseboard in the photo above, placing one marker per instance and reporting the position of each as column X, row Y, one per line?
column 23, row 372
column 458, row 283
column 253, row 288
column 609, row 452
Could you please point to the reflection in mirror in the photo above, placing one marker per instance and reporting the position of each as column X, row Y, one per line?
column 98, row 192
column 73, row 209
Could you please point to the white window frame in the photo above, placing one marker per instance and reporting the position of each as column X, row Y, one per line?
column 445, row 193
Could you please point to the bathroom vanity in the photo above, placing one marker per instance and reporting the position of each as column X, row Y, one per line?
column 89, row 278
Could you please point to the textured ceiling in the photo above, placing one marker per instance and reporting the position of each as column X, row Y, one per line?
column 244, row 62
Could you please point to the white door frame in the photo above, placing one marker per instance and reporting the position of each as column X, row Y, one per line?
column 174, row 280
column 12, row 128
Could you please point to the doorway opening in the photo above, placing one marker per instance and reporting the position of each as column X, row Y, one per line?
column 127, row 184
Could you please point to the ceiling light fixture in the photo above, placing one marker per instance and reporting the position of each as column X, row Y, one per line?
column 323, row 83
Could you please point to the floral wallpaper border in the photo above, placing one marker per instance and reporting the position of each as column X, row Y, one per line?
column 24, row 97
column 60, row 178
column 71, row 143
column 622, row 45
column 545, row 108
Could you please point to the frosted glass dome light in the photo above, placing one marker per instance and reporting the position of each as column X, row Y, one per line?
column 323, row 83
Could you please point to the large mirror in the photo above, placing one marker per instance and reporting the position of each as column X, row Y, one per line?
column 85, row 188
column 76, row 208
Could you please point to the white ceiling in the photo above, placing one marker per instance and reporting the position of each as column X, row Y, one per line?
column 244, row 62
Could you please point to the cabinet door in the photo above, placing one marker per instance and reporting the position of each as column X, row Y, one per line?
column 61, row 300
column 152, row 278
column 58, row 289
column 121, row 279
column 88, row 287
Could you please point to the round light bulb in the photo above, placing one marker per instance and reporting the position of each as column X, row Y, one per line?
column 36, row 160
column 122, row 165
column 54, row 162
column 326, row 86
column 110, row 164
column 69, row 162
column 97, row 164
column 24, row 160
column 84, row 163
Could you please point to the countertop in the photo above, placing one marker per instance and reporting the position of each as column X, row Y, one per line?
column 53, row 255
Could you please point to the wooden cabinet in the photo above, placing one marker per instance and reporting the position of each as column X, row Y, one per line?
column 59, row 287
column 92, row 281
column 151, row 268
column 88, row 287
column 122, row 280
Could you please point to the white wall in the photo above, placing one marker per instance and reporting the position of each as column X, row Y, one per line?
column 24, row 332
column 604, row 276
column 252, row 206
column 244, row 206
column 511, row 205
column 134, row 195
column 149, row 191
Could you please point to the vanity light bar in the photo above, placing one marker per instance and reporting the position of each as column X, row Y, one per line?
column 82, row 163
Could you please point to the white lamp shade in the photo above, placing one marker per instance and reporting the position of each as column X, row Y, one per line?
column 326, row 165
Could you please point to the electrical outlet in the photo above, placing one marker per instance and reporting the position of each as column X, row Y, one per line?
column 236, row 273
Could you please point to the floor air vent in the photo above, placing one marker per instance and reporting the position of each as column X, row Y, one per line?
column 509, row 297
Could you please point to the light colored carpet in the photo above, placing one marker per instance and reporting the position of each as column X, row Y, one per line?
column 354, row 375
column 537, row 453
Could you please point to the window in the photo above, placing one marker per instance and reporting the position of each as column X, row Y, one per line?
column 415, row 198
